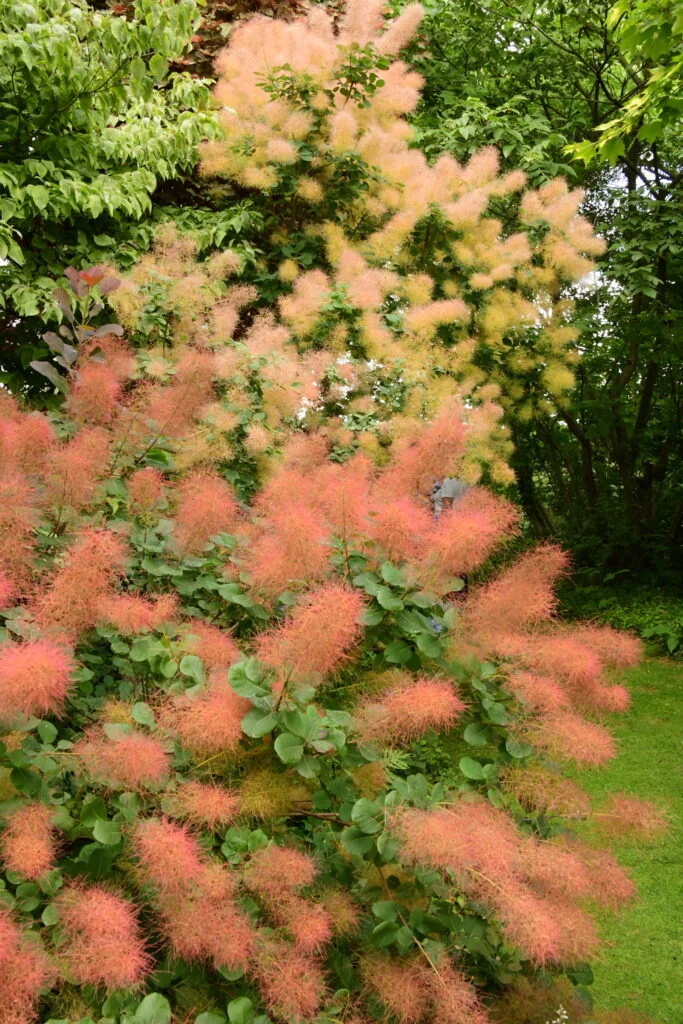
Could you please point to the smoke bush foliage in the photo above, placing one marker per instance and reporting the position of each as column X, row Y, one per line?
column 229, row 613
column 208, row 706
column 370, row 249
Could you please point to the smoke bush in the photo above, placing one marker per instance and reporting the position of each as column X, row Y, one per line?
column 225, row 626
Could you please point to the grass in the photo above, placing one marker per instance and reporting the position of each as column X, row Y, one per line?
column 641, row 967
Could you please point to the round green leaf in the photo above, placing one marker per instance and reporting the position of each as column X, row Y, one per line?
column 471, row 769
column 142, row 713
column 257, row 723
column 154, row 1009
column 355, row 843
column 388, row 599
column 241, row 1010
column 289, row 748
column 477, row 734
column 107, row 832
column 193, row 667
column 50, row 915
column 391, row 575
column 47, row 732
column 397, row 652
column 517, row 749
column 429, row 645
column 385, row 933
column 371, row 616
column 367, row 816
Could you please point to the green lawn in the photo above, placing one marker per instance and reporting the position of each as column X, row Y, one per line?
column 642, row 962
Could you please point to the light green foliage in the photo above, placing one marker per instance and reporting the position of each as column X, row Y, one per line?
column 649, row 33
column 91, row 123
column 539, row 82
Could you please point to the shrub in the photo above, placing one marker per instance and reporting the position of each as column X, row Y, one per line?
column 216, row 764
column 250, row 621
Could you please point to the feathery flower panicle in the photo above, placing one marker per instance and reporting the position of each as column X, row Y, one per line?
column 292, row 984
column 131, row 761
column 92, row 564
column 343, row 495
column 569, row 737
column 133, row 614
column 553, row 868
column 266, row 795
column 407, row 711
column 275, row 870
column 172, row 408
column 18, row 518
column 344, row 912
column 423, row 321
column 116, row 353
column 343, row 131
column 400, row 985
column 257, row 439
column 402, row 30
column 208, row 722
column 305, row 452
column 204, row 804
column 318, row 636
column 522, row 595
column 625, row 815
column 432, row 453
column 94, row 395
column 266, row 336
column 35, row 678
column 75, row 469
column 362, row 21
column 614, row 648
column 454, row 998
column 540, row 790
column 8, row 591
column 203, row 923
column 26, row 443
column 309, row 924
column 310, row 189
column 168, row 854
column 207, row 506
column 293, row 548
column 563, row 656
column 302, row 307
column 28, row 845
column 281, row 151
column 465, row 536
column 595, row 696
column 145, row 489
column 547, row 930
column 289, row 487
column 402, row 528
column 213, row 645
column 611, row 885
column 101, row 941
column 24, row 971
column 469, row 835
column 537, row 692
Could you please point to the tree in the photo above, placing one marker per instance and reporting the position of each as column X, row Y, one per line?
column 540, row 82
column 650, row 34
column 400, row 265
column 92, row 122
